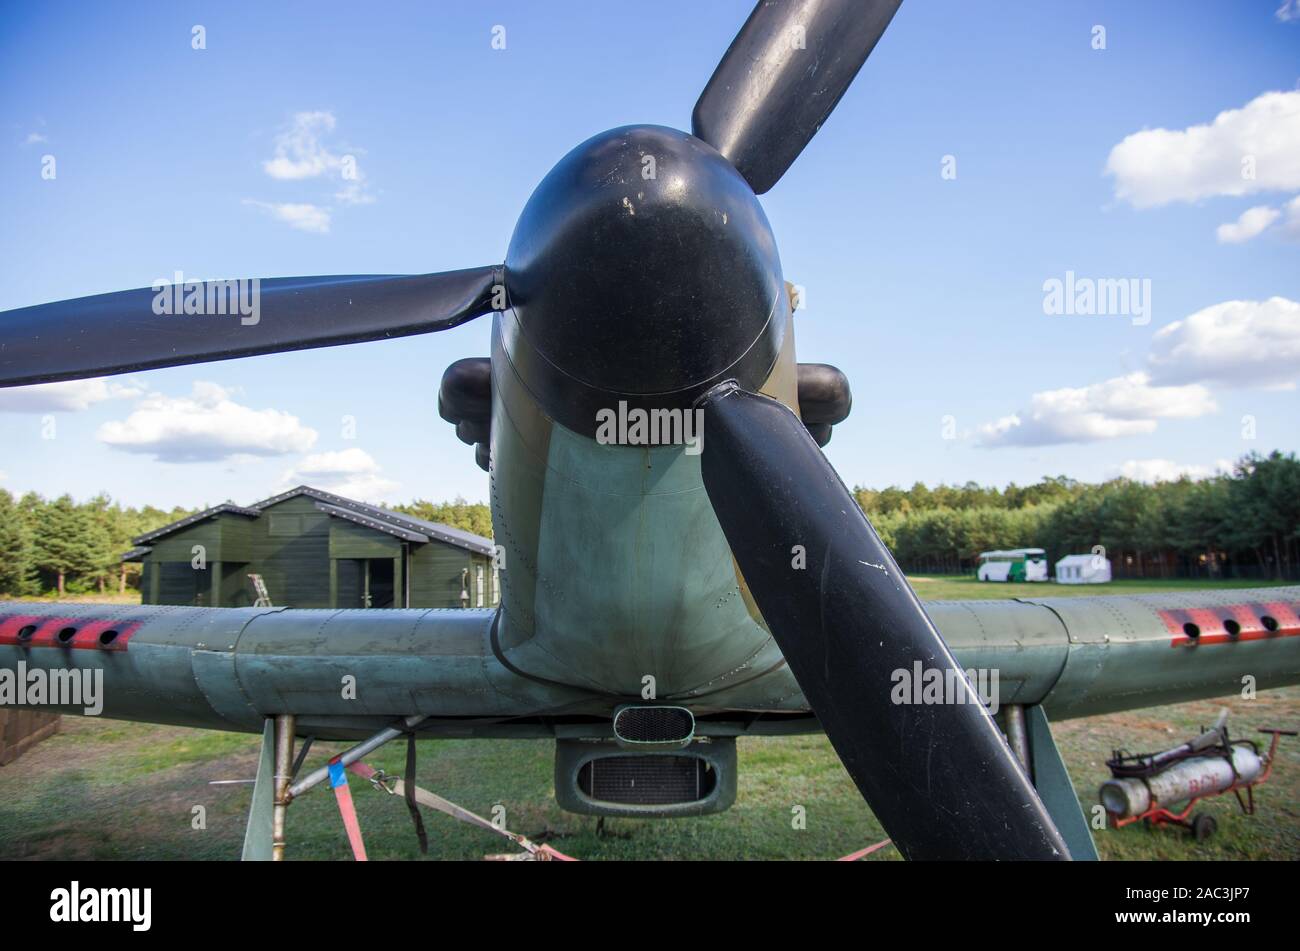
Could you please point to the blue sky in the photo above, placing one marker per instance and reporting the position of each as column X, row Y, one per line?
column 928, row 291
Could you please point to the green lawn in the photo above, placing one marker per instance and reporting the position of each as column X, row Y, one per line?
column 104, row 789
column 966, row 588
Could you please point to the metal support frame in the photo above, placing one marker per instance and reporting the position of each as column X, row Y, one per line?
column 1027, row 730
column 258, row 833
column 275, row 788
column 1017, row 737
column 318, row 776
column 284, row 728
column 1030, row 737
column 1055, row 788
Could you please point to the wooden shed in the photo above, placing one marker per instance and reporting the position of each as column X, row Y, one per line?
column 314, row 549
column 21, row 729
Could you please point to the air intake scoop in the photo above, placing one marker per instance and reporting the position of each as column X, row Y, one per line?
column 653, row 727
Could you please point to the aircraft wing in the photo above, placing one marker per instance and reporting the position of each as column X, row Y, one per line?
column 344, row 673
column 1081, row 656
column 347, row 673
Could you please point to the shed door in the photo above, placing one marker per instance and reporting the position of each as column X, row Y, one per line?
column 380, row 588
column 179, row 583
column 365, row 583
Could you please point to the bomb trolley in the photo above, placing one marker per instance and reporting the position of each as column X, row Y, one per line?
column 1149, row 786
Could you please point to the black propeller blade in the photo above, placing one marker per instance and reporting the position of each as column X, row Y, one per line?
column 125, row 331
column 781, row 77
column 938, row 776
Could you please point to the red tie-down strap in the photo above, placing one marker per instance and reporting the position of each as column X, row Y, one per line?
column 339, row 780
column 863, row 853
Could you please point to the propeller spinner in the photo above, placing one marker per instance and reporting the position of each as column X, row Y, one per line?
column 641, row 270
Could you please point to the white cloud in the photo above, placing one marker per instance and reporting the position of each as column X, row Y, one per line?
column 1292, row 208
column 1157, row 166
column 303, row 216
column 35, row 137
column 299, row 152
column 354, row 192
column 1289, row 11
column 1122, row 406
column 67, row 397
column 344, row 462
column 349, row 472
column 1250, row 224
column 1238, row 342
column 205, row 426
column 1166, row 470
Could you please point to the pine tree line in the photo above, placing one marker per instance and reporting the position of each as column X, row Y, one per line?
column 62, row 546
column 1244, row 524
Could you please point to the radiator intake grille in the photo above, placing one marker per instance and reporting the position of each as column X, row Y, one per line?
column 647, row 780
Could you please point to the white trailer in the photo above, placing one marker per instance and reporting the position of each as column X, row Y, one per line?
column 1083, row 569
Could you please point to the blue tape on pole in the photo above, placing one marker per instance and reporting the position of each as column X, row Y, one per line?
column 338, row 776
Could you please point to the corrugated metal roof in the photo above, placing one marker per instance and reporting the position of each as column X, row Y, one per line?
column 435, row 531
column 136, row 554
column 377, row 524
column 407, row 527
column 196, row 517
column 441, row 532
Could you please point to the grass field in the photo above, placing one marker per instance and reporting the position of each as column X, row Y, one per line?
column 952, row 588
column 105, row 789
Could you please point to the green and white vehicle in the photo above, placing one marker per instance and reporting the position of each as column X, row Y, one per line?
column 1016, row 564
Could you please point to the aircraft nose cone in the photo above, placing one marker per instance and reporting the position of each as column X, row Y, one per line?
column 643, row 267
